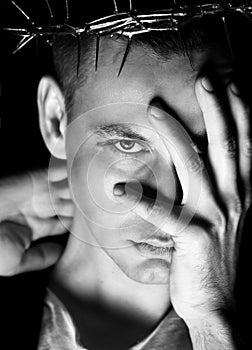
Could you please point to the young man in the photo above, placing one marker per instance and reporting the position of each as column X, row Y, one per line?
column 131, row 257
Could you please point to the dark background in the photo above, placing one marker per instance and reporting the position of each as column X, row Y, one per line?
column 22, row 149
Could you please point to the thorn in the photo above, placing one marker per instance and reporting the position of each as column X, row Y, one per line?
column 67, row 10
column 138, row 21
column 25, row 40
column 125, row 55
column 115, row 6
column 17, row 31
column 49, row 8
column 78, row 54
column 22, row 11
column 97, row 51
column 245, row 14
column 130, row 6
column 184, row 46
column 228, row 37
column 37, row 46
column 74, row 29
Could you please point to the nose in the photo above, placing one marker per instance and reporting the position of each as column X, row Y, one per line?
column 147, row 190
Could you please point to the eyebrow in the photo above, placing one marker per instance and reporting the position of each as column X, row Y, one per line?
column 118, row 130
column 121, row 130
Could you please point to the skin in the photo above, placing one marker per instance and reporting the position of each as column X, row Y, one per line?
column 206, row 249
column 33, row 205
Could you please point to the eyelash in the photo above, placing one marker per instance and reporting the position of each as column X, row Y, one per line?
column 117, row 141
column 199, row 148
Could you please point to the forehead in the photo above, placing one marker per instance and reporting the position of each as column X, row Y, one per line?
column 144, row 77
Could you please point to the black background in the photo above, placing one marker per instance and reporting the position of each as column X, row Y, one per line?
column 22, row 149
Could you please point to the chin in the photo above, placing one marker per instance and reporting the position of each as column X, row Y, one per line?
column 144, row 270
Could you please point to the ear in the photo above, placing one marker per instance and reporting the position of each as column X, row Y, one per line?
column 52, row 116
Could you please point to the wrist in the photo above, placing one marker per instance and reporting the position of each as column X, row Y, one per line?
column 215, row 330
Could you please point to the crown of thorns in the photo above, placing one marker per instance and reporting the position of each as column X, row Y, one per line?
column 128, row 23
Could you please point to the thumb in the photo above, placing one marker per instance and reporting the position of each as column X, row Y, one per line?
column 40, row 257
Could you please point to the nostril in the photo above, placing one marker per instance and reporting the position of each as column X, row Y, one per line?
column 119, row 189
column 145, row 190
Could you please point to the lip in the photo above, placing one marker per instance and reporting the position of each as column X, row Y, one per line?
column 155, row 248
column 159, row 243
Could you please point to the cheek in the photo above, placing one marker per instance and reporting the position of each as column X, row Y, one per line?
column 93, row 175
column 94, row 172
column 88, row 178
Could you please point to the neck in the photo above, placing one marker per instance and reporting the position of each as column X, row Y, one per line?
column 87, row 277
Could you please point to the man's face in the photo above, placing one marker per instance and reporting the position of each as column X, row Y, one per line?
column 110, row 140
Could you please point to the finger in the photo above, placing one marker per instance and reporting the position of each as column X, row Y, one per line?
column 17, row 234
column 63, row 207
column 222, row 147
column 241, row 113
column 14, row 239
column 49, row 227
column 60, row 189
column 40, row 257
column 15, row 190
column 192, row 173
column 60, row 207
column 162, row 214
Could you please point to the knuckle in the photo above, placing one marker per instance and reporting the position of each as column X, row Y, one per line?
column 247, row 147
column 194, row 164
column 219, row 219
column 235, row 206
column 230, row 146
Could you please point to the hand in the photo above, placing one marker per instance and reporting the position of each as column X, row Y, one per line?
column 33, row 206
column 204, row 261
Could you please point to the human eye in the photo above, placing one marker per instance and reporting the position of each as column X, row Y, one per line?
column 129, row 146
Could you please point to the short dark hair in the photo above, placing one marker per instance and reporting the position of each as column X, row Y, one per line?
column 66, row 50
column 198, row 35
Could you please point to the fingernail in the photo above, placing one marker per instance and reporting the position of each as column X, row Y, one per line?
column 234, row 89
column 157, row 113
column 119, row 190
column 207, row 84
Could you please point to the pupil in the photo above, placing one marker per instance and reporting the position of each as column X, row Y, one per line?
column 127, row 144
